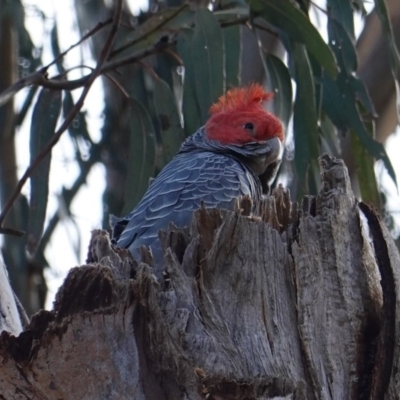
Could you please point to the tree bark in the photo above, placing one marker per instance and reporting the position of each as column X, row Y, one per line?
column 293, row 303
column 375, row 69
column 27, row 279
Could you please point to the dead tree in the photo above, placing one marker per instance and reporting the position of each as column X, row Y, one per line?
column 293, row 303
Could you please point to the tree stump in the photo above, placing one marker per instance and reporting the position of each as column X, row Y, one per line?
column 292, row 303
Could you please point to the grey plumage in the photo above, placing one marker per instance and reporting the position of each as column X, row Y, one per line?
column 202, row 171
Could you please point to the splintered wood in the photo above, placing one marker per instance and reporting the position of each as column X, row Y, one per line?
column 287, row 301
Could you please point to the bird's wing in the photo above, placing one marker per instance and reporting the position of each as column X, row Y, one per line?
column 178, row 190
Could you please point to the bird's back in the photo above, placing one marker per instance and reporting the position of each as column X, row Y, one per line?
column 189, row 179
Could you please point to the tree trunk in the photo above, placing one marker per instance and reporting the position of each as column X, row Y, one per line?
column 375, row 69
column 27, row 278
column 297, row 303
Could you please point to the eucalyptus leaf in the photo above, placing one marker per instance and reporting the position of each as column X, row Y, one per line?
column 292, row 22
column 208, row 60
column 364, row 168
column 142, row 153
column 26, row 105
column 232, row 14
column 330, row 142
column 362, row 94
column 340, row 105
column 232, row 3
column 78, row 128
column 305, row 127
column 342, row 46
column 341, row 11
column 233, row 52
column 29, row 60
column 279, row 82
column 160, row 28
column 44, row 119
column 340, row 96
column 190, row 105
column 168, row 118
column 55, row 47
column 347, row 60
column 359, row 6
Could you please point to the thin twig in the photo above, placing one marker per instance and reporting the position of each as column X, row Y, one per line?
column 175, row 56
column 117, row 85
column 89, row 34
column 319, row 7
column 146, row 34
column 111, row 65
column 265, row 29
column 71, row 115
column 12, row 232
column 35, row 78
column 150, row 70
column 39, row 78
column 70, row 194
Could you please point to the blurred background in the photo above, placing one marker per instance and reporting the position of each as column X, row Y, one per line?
column 333, row 66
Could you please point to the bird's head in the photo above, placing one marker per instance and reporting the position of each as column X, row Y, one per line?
column 239, row 122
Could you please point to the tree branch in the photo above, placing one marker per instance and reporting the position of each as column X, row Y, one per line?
column 71, row 115
column 89, row 34
column 71, row 193
column 155, row 29
column 39, row 78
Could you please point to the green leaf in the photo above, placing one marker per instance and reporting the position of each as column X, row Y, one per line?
column 44, row 120
column 346, row 55
column 341, row 11
column 305, row 128
column 55, row 47
column 78, row 128
column 160, row 28
column 232, row 14
column 342, row 46
column 142, row 152
column 339, row 99
column 285, row 16
column 168, row 117
column 330, row 142
column 233, row 53
column 341, row 107
column 208, row 60
column 29, row 55
column 26, row 105
column 279, row 82
column 364, row 166
column 232, row 3
column 359, row 6
column 165, row 67
column 304, row 5
column 190, row 105
column 362, row 95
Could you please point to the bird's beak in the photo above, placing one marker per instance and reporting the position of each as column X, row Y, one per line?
column 272, row 149
column 266, row 153
column 263, row 158
column 270, row 160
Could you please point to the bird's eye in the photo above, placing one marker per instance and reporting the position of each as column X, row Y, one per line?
column 248, row 126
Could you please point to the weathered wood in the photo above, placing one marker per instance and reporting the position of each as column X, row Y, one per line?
column 295, row 303
column 10, row 319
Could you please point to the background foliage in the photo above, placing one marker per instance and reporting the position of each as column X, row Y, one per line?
column 161, row 70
